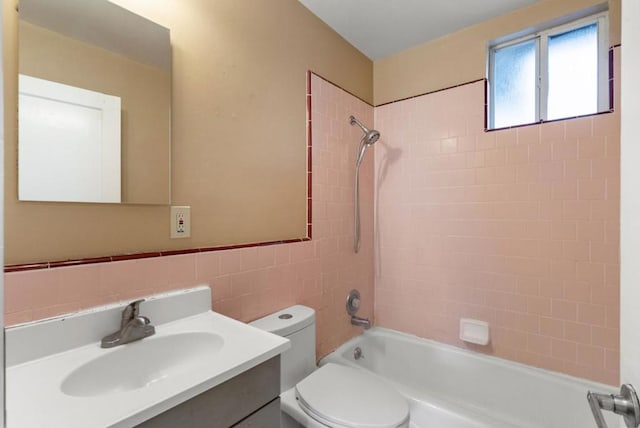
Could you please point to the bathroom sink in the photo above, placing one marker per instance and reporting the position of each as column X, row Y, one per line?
column 58, row 367
column 142, row 363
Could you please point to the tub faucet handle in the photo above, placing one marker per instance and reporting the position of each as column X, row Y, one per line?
column 626, row 405
column 353, row 302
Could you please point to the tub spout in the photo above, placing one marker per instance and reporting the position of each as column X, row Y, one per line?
column 361, row 322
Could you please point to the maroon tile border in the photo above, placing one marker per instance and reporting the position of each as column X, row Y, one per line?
column 549, row 121
column 179, row 252
column 398, row 100
column 137, row 256
column 309, row 153
column 339, row 87
column 611, row 77
column 25, row 267
column 486, row 104
column 432, row 92
column 67, row 263
column 394, row 101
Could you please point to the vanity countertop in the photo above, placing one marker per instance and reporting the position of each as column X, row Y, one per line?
column 34, row 397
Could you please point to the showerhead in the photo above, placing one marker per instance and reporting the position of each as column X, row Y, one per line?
column 370, row 135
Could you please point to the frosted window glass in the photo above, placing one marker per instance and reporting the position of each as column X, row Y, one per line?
column 514, row 84
column 573, row 73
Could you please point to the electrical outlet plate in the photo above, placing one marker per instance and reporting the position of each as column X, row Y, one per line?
column 180, row 222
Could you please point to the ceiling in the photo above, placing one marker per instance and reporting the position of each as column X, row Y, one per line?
column 379, row 28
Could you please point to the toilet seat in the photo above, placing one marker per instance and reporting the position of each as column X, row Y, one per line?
column 344, row 397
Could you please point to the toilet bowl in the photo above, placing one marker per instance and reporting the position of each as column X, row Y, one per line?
column 333, row 395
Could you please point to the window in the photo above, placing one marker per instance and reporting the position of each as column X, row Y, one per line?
column 552, row 74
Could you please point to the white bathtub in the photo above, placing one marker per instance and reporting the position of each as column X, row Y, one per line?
column 448, row 387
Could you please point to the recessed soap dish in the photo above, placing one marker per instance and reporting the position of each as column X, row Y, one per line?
column 474, row 331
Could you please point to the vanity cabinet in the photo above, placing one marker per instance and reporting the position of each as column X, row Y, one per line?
column 267, row 417
column 249, row 400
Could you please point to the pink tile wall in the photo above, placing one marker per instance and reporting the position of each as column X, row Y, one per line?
column 250, row 282
column 516, row 227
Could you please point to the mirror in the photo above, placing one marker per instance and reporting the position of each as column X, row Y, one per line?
column 94, row 104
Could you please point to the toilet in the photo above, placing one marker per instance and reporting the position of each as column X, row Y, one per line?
column 333, row 395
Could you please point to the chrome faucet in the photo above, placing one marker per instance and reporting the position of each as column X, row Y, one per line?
column 133, row 327
column 626, row 404
column 361, row 322
column 353, row 305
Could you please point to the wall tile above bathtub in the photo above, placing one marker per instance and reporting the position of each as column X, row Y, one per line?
column 517, row 227
column 247, row 283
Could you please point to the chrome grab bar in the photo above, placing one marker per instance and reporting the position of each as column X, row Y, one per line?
column 626, row 405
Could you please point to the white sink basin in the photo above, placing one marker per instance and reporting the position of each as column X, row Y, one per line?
column 141, row 363
column 58, row 375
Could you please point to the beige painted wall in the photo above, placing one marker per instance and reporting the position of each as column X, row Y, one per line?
column 461, row 57
column 145, row 93
column 239, row 136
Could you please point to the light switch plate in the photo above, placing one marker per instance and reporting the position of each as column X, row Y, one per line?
column 180, row 222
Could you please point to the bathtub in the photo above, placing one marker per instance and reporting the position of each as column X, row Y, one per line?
column 448, row 387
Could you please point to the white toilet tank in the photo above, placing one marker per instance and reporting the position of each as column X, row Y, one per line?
column 296, row 323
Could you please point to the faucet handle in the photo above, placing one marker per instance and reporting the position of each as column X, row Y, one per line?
column 135, row 305
column 353, row 302
column 626, row 404
column 131, row 311
column 599, row 402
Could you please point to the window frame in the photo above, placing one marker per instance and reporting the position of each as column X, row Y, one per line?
column 541, row 38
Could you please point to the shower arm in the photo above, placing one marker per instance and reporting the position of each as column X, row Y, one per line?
column 354, row 121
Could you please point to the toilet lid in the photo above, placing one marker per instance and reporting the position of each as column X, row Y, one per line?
column 347, row 397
